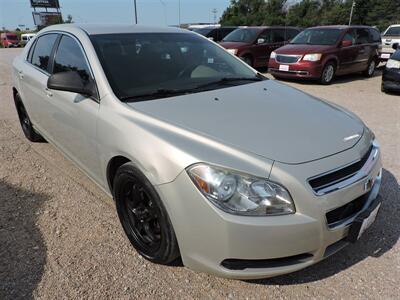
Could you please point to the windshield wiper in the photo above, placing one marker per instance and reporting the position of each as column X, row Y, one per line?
column 226, row 80
column 156, row 94
column 159, row 93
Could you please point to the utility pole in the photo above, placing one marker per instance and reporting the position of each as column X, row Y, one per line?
column 351, row 12
column 134, row 2
column 214, row 11
column 179, row 12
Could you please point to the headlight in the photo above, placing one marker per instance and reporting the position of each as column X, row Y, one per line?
column 232, row 51
column 393, row 64
column 312, row 57
column 241, row 194
column 273, row 54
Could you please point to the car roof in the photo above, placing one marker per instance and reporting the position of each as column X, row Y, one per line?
column 93, row 29
column 342, row 26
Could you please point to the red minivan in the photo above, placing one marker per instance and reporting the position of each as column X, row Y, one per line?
column 254, row 44
column 325, row 51
column 9, row 40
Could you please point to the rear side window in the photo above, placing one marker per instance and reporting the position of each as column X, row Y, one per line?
column 69, row 57
column 375, row 36
column 278, row 35
column 42, row 51
column 362, row 36
column 291, row 33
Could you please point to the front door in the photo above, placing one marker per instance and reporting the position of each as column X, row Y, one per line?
column 73, row 117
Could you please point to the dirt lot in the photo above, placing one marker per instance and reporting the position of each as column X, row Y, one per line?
column 60, row 236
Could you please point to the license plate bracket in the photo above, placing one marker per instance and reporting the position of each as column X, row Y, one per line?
column 363, row 222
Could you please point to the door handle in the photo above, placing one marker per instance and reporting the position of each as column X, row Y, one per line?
column 48, row 92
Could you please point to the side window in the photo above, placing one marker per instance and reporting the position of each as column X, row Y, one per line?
column 42, row 51
column 292, row 33
column 375, row 36
column 30, row 53
column 350, row 36
column 266, row 35
column 279, row 35
column 362, row 36
column 69, row 57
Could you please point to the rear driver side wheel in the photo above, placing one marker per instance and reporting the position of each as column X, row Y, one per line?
column 369, row 72
column 25, row 121
column 143, row 216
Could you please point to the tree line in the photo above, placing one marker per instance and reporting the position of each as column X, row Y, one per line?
column 307, row 13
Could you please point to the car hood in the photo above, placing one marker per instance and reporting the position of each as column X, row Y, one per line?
column 232, row 45
column 265, row 118
column 300, row 49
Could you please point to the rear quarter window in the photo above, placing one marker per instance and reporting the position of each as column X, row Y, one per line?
column 375, row 36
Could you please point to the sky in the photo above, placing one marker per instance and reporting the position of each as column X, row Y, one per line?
column 150, row 12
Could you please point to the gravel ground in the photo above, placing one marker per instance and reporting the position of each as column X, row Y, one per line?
column 60, row 236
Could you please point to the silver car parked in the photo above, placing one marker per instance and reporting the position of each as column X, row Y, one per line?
column 206, row 159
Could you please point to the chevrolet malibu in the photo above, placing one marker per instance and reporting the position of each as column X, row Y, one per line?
column 206, row 159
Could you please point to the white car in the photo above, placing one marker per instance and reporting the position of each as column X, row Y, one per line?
column 390, row 36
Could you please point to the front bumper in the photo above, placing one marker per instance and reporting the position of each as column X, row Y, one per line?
column 241, row 247
column 300, row 69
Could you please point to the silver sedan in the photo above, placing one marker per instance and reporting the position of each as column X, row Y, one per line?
column 206, row 159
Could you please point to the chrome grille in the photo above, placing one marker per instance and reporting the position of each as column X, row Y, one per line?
column 345, row 176
column 287, row 59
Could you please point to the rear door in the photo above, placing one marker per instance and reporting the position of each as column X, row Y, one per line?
column 73, row 117
column 365, row 48
column 33, row 79
column 348, row 54
column 262, row 50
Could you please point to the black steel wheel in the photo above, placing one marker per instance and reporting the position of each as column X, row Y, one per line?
column 143, row 216
column 25, row 121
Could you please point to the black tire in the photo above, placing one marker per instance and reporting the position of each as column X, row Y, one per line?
column 328, row 73
column 248, row 60
column 25, row 121
column 143, row 216
column 369, row 72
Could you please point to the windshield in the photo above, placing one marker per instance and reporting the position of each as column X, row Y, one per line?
column 393, row 31
column 203, row 31
column 243, row 35
column 317, row 37
column 11, row 37
column 140, row 64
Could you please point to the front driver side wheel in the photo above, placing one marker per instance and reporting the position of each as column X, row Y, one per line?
column 328, row 73
column 143, row 216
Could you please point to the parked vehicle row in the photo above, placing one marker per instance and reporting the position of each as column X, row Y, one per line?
column 10, row 40
column 319, row 53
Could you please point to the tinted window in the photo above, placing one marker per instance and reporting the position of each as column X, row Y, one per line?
column 138, row 64
column 203, row 31
column 318, row 36
column 362, row 36
column 244, row 35
column 279, row 35
column 266, row 35
column 396, row 55
column 69, row 57
column 375, row 36
column 291, row 33
column 42, row 51
column 350, row 36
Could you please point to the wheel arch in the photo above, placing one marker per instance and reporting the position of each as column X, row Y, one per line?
column 112, row 167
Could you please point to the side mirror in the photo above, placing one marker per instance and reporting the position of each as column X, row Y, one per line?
column 260, row 41
column 395, row 46
column 70, row 82
column 347, row 43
